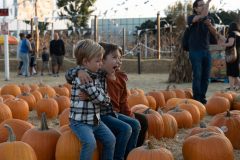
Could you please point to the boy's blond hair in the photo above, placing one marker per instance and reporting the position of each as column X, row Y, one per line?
column 87, row 49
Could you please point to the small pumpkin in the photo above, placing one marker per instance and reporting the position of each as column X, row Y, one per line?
column 61, row 90
column 217, row 104
column 5, row 112
column 11, row 89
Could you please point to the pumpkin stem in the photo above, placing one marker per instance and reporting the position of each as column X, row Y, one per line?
column 45, row 95
column 160, row 111
column 150, row 144
column 206, row 134
column 44, row 125
column 203, row 125
column 228, row 114
column 177, row 109
column 11, row 136
column 147, row 111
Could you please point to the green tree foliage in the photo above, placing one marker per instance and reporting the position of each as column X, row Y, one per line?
column 77, row 11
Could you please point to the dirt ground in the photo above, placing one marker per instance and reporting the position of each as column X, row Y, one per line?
column 147, row 82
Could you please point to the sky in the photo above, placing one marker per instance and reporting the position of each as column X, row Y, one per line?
column 148, row 8
column 141, row 8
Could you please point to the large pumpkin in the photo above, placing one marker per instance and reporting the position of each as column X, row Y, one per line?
column 207, row 146
column 43, row 140
column 150, row 152
column 135, row 99
column 16, row 150
column 229, row 122
column 68, row 147
column 46, row 90
column 61, row 90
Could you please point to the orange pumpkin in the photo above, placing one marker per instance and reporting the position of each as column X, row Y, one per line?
column 170, row 125
column 152, row 102
column 63, row 103
column 159, row 97
column 64, row 117
column 230, row 123
column 15, row 150
column 69, row 147
column 19, row 127
column 29, row 98
column 155, row 121
column 61, row 90
column 24, row 88
column 48, row 106
column 200, row 106
column 37, row 95
column 207, row 146
column 150, row 152
column 183, row 117
column 43, row 140
column 46, row 90
column 19, row 108
column 11, row 89
column 217, row 105
column 69, row 87
column 193, row 110
column 33, row 87
column 204, row 128
column 135, row 99
column 5, row 112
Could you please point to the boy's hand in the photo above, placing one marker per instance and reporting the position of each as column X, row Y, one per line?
column 83, row 96
column 84, row 77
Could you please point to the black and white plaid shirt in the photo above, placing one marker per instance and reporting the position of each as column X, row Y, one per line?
column 88, row 111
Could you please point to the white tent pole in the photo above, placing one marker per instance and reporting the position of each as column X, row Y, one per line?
column 6, row 50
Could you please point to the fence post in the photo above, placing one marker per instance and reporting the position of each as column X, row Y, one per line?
column 139, row 59
column 95, row 29
column 124, row 41
column 158, row 36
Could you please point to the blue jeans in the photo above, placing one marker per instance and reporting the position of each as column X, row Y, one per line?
column 87, row 133
column 122, row 132
column 25, row 59
column 201, row 66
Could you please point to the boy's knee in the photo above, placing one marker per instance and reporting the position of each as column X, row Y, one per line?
column 110, row 141
column 90, row 145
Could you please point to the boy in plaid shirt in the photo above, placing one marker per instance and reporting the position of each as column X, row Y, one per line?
column 85, row 114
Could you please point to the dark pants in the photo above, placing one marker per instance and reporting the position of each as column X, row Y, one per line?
column 201, row 66
column 144, row 126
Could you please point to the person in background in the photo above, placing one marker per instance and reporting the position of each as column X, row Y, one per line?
column 57, row 52
column 21, row 35
column 45, row 61
column 25, row 48
column 32, row 56
column 199, row 54
column 233, row 38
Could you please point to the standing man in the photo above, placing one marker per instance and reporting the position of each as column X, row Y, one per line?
column 57, row 52
column 200, row 30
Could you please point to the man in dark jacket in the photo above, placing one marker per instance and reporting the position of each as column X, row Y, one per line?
column 57, row 52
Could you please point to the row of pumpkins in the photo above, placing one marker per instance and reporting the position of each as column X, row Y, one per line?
column 165, row 110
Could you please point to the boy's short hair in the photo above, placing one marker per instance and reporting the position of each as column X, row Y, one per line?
column 109, row 47
column 87, row 49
